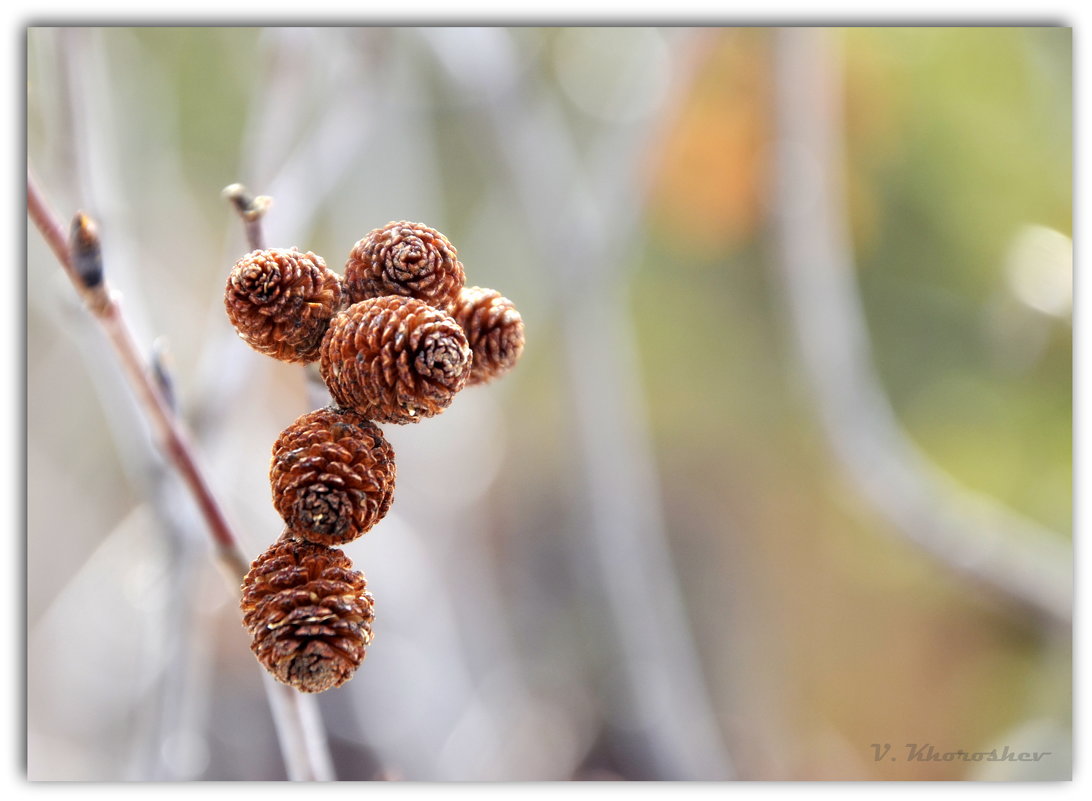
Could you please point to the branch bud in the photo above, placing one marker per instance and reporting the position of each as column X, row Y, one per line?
column 86, row 251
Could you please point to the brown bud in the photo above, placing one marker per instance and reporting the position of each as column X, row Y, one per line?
column 332, row 475
column 308, row 613
column 494, row 330
column 86, row 250
column 394, row 359
column 281, row 302
column 404, row 258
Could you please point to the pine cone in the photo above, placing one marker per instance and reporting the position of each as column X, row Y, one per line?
column 494, row 330
column 332, row 475
column 408, row 259
column 281, row 302
column 394, row 359
column 308, row 613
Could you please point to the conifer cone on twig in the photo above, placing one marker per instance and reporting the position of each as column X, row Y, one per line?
column 281, row 301
column 494, row 330
column 404, row 258
column 332, row 475
column 309, row 614
column 394, row 359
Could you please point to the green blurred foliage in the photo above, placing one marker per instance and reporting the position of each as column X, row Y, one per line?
column 979, row 144
column 208, row 76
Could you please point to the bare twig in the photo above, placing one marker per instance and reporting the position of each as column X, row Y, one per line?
column 177, row 660
column 970, row 534
column 304, row 752
column 83, row 264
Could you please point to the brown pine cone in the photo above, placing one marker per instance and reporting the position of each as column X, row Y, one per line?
column 308, row 613
column 332, row 475
column 494, row 330
column 281, row 302
column 408, row 259
column 394, row 359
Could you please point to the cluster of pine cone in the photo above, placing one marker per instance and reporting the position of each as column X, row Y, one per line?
column 395, row 338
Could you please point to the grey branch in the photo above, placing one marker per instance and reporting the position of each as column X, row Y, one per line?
column 970, row 534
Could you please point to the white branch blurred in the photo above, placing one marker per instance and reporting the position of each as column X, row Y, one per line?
column 971, row 534
column 581, row 214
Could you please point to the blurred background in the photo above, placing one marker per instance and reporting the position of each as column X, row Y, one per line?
column 784, row 474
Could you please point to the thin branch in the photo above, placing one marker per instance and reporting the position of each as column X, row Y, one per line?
column 79, row 263
column 971, row 534
column 300, row 731
column 305, row 753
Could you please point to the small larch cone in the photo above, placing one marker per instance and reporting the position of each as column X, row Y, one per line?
column 332, row 475
column 394, row 359
column 281, row 302
column 494, row 330
column 408, row 259
column 308, row 613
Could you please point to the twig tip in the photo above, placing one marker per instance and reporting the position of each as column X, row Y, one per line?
column 250, row 207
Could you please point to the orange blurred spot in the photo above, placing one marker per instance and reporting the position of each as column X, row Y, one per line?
column 710, row 182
